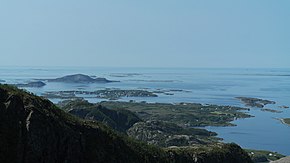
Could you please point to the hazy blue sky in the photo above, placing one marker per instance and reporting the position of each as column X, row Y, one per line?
column 149, row 33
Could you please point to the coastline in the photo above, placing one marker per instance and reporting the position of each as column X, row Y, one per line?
column 283, row 121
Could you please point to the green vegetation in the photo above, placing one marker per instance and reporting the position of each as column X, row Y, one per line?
column 182, row 114
column 164, row 125
column 166, row 134
column 160, row 124
column 32, row 129
column 159, row 133
column 263, row 156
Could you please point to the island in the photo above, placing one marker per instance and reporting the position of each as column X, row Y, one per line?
column 271, row 110
column 255, row 102
column 35, row 84
column 121, row 75
column 153, row 81
column 111, row 94
column 284, row 107
column 285, row 121
column 2, row 81
column 80, row 78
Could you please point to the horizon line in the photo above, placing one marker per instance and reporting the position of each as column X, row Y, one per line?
column 161, row 67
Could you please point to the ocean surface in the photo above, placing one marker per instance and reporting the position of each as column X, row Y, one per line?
column 207, row 86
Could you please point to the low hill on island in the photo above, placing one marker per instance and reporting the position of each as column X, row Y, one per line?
column 36, row 84
column 80, row 78
column 33, row 129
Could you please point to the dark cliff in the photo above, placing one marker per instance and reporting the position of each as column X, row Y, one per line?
column 118, row 119
column 32, row 129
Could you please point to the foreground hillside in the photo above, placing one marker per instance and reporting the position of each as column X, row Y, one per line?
column 282, row 160
column 32, row 129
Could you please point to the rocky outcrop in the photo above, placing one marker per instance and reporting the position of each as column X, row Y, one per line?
column 80, row 78
column 167, row 134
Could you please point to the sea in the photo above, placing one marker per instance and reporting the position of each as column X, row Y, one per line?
column 219, row 86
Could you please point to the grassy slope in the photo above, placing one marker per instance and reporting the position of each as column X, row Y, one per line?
column 188, row 114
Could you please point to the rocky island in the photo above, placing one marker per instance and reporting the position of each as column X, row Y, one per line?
column 255, row 102
column 286, row 121
column 271, row 110
column 2, row 81
column 35, row 130
column 80, row 78
column 284, row 107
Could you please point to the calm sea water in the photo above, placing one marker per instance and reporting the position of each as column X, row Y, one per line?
column 208, row 86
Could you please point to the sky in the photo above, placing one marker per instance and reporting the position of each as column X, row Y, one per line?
column 151, row 33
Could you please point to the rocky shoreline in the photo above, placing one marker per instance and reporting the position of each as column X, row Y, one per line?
column 285, row 121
